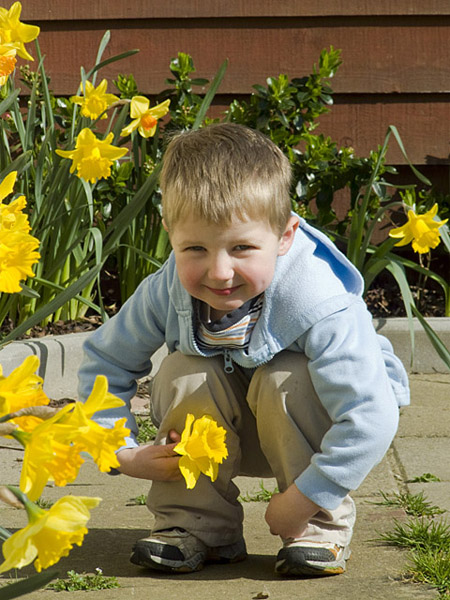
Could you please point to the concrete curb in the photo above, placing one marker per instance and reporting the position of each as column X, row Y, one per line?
column 426, row 359
column 60, row 356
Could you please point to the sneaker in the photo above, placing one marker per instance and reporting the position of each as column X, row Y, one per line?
column 299, row 557
column 178, row 551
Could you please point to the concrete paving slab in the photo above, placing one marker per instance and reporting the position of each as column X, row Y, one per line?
column 425, row 359
column 424, row 455
column 435, row 492
column 374, row 571
column 429, row 412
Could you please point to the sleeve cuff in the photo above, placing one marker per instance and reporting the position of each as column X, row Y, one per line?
column 321, row 490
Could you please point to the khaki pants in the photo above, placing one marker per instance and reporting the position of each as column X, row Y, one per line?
column 274, row 422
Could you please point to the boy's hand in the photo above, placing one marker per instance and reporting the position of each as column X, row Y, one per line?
column 288, row 513
column 158, row 463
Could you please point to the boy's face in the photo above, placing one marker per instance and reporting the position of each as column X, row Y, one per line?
column 225, row 266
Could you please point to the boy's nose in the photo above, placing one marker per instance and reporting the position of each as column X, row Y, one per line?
column 220, row 269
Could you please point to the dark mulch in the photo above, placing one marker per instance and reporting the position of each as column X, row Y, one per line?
column 387, row 301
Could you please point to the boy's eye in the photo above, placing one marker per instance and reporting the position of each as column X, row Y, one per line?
column 242, row 247
column 194, row 248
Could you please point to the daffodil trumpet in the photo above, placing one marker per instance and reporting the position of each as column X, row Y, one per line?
column 202, row 448
column 50, row 534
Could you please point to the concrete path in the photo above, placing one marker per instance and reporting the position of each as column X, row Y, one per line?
column 374, row 571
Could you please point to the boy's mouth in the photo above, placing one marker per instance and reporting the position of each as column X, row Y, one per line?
column 223, row 291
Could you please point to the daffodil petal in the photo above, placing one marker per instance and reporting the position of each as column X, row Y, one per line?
column 190, row 471
column 7, row 185
column 139, row 106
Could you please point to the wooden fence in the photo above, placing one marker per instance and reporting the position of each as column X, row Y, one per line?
column 396, row 67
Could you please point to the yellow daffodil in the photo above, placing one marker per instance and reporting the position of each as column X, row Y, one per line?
column 92, row 158
column 100, row 398
column 7, row 185
column 18, row 249
column 20, row 389
column 49, row 455
column 145, row 118
column 11, row 216
column 95, row 100
column 18, row 254
column 12, row 30
column 53, row 447
column 8, row 59
column 421, row 230
column 99, row 442
column 202, row 448
column 50, row 534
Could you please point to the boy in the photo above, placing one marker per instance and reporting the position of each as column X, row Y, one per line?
column 268, row 334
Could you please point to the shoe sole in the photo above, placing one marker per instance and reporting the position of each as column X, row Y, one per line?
column 143, row 558
column 288, row 566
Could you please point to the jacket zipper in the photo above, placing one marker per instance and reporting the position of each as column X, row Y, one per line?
column 228, row 366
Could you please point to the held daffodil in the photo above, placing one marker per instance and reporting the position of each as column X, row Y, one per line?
column 13, row 30
column 145, row 118
column 202, row 448
column 95, row 100
column 421, row 230
column 92, row 158
column 50, row 534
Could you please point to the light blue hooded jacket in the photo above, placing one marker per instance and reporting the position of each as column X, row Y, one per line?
column 313, row 306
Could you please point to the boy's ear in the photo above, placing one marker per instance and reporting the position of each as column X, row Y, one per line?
column 164, row 224
column 287, row 237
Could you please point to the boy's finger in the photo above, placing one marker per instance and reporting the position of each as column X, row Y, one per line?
column 174, row 436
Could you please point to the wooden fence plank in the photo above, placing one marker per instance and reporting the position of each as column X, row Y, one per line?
column 380, row 58
column 395, row 55
column 178, row 9
column 362, row 124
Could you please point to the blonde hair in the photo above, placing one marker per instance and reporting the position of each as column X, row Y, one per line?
column 225, row 171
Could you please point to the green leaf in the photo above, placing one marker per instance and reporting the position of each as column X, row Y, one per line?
column 129, row 213
column 109, row 61
column 445, row 236
column 53, row 305
column 210, row 95
column 26, row 586
column 399, row 274
column 436, row 341
column 8, row 101
column 4, row 533
column 416, row 172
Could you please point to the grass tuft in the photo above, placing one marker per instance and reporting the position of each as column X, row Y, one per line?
column 432, row 566
column 139, row 500
column 419, row 534
column 424, row 478
column 412, row 504
column 84, row 582
column 147, row 431
column 263, row 495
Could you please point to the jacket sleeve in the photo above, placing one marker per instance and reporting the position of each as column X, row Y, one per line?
column 121, row 350
column 361, row 393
